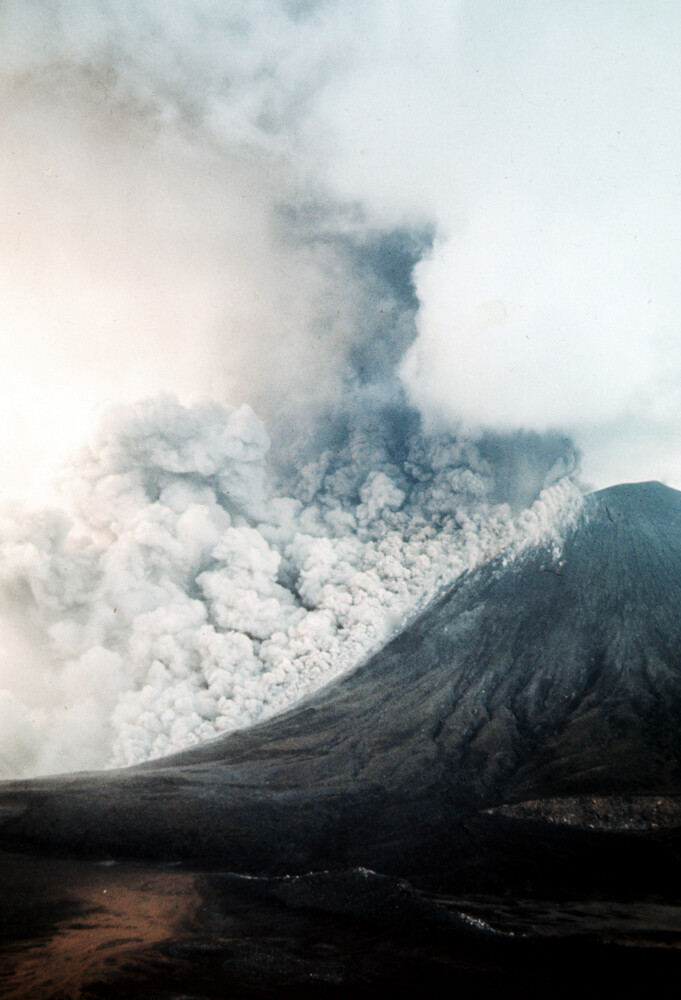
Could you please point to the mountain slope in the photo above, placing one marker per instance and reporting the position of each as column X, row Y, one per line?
column 527, row 680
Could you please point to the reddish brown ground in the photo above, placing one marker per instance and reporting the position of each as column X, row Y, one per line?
column 116, row 916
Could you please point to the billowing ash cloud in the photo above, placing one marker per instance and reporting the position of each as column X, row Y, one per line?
column 176, row 595
column 430, row 247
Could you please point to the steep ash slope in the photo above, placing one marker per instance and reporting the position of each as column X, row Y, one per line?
column 532, row 678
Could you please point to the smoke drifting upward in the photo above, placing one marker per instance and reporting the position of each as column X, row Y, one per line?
column 431, row 248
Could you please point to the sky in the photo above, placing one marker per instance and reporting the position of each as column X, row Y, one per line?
column 306, row 308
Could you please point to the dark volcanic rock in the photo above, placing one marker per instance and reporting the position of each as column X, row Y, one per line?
column 529, row 680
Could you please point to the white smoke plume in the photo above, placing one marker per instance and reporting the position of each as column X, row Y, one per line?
column 430, row 245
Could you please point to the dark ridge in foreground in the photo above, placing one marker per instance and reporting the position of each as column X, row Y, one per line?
column 541, row 680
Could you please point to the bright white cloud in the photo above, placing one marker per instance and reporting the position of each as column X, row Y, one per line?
column 544, row 142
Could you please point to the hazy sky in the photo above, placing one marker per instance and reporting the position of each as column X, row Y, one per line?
column 180, row 182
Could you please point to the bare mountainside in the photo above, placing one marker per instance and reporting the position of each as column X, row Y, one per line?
column 538, row 698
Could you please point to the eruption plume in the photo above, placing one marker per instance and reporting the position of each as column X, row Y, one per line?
column 337, row 295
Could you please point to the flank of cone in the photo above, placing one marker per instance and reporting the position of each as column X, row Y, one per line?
column 553, row 681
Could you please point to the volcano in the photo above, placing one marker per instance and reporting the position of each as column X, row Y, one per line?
column 490, row 803
column 542, row 689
